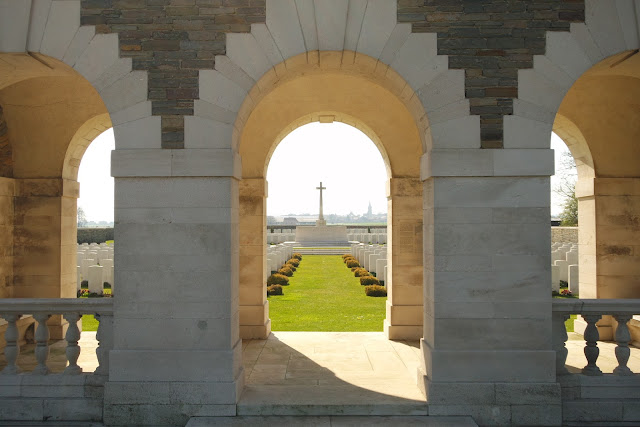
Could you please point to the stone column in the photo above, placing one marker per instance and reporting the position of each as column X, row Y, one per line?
column 7, row 193
column 45, row 236
column 405, row 272
column 608, row 239
column 177, row 351
column 254, row 306
column 487, row 335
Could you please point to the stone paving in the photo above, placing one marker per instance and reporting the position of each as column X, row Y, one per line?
column 362, row 372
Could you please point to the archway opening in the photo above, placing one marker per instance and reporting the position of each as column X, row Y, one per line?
column 564, row 222
column 354, row 207
column 384, row 112
column 48, row 110
column 95, row 252
column 598, row 120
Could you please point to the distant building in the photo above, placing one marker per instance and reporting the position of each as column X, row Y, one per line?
column 290, row 221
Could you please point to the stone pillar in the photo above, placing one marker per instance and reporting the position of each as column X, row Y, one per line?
column 405, row 272
column 177, row 351
column 254, row 306
column 7, row 193
column 487, row 334
column 45, row 236
column 608, row 242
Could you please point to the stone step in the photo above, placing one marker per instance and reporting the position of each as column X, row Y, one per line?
column 328, row 400
column 333, row 421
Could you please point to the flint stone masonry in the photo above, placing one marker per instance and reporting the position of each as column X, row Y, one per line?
column 172, row 40
column 491, row 40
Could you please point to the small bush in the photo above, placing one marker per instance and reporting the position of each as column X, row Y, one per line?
column 297, row 256
column 369, row 280
column 106, row 285
column 278, row 279
column 287, row 265
column 375, row 291
column 359, row 272
column 276, row 290
column 84, row 284
column 347, row 256
column 293, row 261
column 350, row 257
column 286, row 271
column 353, row 263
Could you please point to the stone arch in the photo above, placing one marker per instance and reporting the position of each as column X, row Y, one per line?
column 585, row 88
column 61, row 85
column 352, row 45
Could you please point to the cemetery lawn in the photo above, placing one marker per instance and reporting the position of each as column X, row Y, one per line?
column 89, row 323
column 323, row 295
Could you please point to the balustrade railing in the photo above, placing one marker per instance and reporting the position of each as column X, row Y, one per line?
column 71, row 309
column 592, row 311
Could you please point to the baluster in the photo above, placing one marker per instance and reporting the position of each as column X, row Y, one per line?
column 73, row 349
column 105, row 342
column 559, row 339
column 591, row 350
column 622, row 350
column 12, row 348
column 42, row 344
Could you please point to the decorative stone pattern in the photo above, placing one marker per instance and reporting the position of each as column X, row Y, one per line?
column 491, row 41
column 172, row 40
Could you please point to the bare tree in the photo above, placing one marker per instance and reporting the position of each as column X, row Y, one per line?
column 82, row 217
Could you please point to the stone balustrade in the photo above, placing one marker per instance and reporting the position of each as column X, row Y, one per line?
column 71, row 309
column 592, row 311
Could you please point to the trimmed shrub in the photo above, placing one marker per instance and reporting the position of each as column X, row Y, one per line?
column 375, row 291
column 286, row 271
column 287, row 265
column 359, row 272
column 277, row 290
column 297, row 256
column 345, row 260
column 347, row 256
column 106, row 285
column 353, row 263
column 84, row 284
column 293, row 261
column 278, row 279
column 369, row 280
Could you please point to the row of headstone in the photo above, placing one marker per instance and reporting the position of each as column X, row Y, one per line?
column 277, row 255
column 373, row 258
column 95, row 265
column 275, row 238
column 564, row 266
column 371, row 238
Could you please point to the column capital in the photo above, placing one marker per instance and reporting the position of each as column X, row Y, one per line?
column 404, row 186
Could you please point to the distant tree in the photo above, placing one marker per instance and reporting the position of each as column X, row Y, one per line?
column 569, row 215
column 82, row 217
column 567, row 189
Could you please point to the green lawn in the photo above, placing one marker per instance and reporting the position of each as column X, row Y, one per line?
column 323, row 295
column 89, row 323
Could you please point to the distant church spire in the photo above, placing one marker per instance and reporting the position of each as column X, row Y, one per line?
column 370, row 210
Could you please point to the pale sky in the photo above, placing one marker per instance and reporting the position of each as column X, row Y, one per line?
column 94, row 175
column 343, row 158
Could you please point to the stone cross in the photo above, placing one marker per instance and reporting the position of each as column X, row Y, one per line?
column 321, row 220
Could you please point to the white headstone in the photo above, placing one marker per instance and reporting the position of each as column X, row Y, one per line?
column 95, row 279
